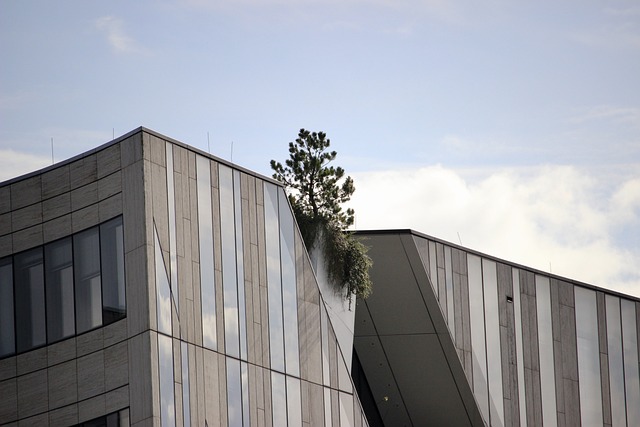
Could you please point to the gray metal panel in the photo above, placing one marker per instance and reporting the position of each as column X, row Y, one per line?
column 404, row 345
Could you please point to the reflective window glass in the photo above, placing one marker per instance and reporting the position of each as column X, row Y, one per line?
column 346, row 409
column 167, row 399
column 274, row 286
column 545, row 347
column 163, row 293
column 327, row 407
column 324, row 336
column 278, row 399
column 234, row 393
column 58, row 263
column 478, row 349
column 289, row 292
column 7, row 337
column 631, row 371
column 294, row 402
column 492, row 330
column 30, row 300
column 88, row 289
column 242, row 309
column 616, row 362
column 448, row 274
column 244, row 374
column 517, row 308
column 433, row 267
column 113, row 288
column 588, row 357
column 205, row 235
column 229, row 279
column 186, row 396
column 173, row 251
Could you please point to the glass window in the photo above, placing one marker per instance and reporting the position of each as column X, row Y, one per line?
column 234, row 393
column 294, row 402
column 631, row 371
column 545, row 343
column 58, row 257
column 242, row 306
column 616, row 362
column 274, row 286
column 492, row 329
column 229, row 279
column 205, row 234
column 346, row 409
column 588, row 357
column 433, row 268
column 324, row 336
column 327, row 407
column 7, row 337
column 244, row 373
column 30, row 300
column 163, row 293
column 88, row 290
column 171, row 205
column 113, row 288
column 186, row 397
column 448, row 277
column 289, row 292
column 167, row 400
column 517, row 308
column 279, row 399
column 478, row 349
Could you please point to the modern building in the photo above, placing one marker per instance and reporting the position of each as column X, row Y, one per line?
column 451, row 336
column 148, row 283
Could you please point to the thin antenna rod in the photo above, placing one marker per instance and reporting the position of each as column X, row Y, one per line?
column 113, row 133
column 52, row 161
column 459, row 239
column 208, row 144
column 231, row 151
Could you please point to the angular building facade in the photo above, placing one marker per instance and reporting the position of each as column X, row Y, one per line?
column 147, row 283
column 451, row 336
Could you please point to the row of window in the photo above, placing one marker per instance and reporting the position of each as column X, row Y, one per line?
column 63, row 288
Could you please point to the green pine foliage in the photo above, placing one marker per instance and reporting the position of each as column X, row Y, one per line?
column 317, row 191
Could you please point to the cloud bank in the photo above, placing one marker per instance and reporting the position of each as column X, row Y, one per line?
column 554, row 218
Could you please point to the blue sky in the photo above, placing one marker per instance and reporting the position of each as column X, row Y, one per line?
column 515, row 125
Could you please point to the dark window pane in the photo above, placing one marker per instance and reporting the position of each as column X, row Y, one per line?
column 86, row 266
column 29, row 288
column 58, row 258
column 112, row 254
column 7, row 337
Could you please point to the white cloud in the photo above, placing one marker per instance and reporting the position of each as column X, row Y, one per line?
column 556, row 218
column 118, row 39
column 14, row 163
